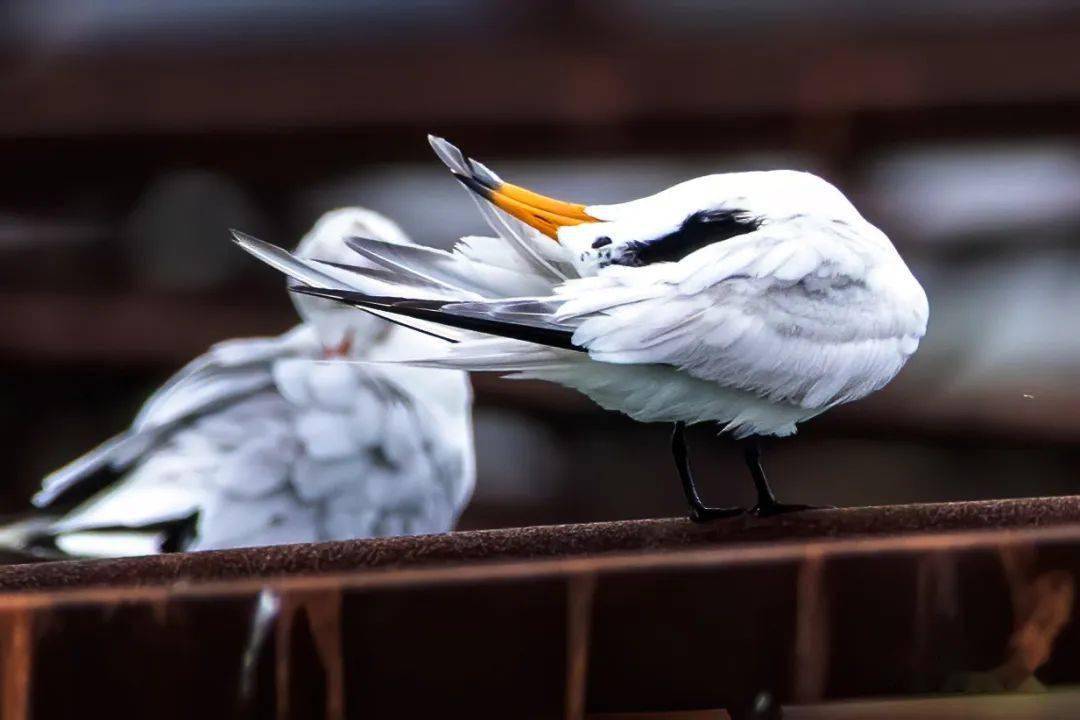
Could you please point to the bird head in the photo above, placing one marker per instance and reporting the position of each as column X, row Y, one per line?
column 770, row 196
column 694, row 214
column 342, row 330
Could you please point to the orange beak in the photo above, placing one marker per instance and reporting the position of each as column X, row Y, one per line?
column 539, row 211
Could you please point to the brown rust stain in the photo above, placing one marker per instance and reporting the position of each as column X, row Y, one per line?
column 811, row 654
column 937, row 599
column 580, row 591
column 16, row 659
column 323, row 611
column 159, row 607
column 1042, row 600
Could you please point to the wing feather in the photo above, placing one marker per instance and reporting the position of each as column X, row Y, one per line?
column 227, row 372
column 773, row 316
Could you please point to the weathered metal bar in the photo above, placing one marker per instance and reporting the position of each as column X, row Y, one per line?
column 727, row 625
column 645, row 616
column 539, row 542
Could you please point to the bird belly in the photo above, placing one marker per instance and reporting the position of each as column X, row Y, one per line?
column 661, row 393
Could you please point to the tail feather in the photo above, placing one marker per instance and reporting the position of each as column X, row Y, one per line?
column 494, row 355
column 436, row 267
column 311, row 276
column 384, row 281
column 284, row 261
column 445, row 313
column 29, row 536
column 452, row 273
column 308, row 272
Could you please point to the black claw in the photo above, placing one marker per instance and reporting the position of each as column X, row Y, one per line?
column 708, row 514
column 771, row 509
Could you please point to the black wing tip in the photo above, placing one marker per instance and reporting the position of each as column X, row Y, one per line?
column 354, row 296
column 377, row 273
column 461, row 165
column 356, row 243
column 370, row 304
column 474, row 184
column 357, row 239
column 317, row 292
column 367, row 247
column 433, row 310
column 338, row 265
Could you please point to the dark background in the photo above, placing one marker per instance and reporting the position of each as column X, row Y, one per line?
column 133, row 133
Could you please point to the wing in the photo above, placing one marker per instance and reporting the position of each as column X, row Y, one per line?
column 786, row 315
column 228, row 372
column 329, row 451
column 789, row 318
column 241, row 452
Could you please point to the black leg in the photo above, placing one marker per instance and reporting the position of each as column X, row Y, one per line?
column 699, row 511
column 766, row 502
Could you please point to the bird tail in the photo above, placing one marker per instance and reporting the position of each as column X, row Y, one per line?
column 28, row 538
column 362, row 278
column 414, row 285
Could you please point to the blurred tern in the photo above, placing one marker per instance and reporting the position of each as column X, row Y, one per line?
column 260, row 441
column 755, row 300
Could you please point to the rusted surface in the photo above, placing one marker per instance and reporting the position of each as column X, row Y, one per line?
column 16, row 649
column 539, row 542
column 581, row 592
column 682, row 619
column 811, row 630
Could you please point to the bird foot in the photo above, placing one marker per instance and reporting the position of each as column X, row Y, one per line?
column 778, row 508
column 703, row 514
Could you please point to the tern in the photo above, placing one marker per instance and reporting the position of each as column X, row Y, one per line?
column 275, row 440
column 754, row 300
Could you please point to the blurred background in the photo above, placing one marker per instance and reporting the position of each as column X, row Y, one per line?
column 134, row 132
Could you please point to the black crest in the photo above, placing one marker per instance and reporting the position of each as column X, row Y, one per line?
column 700, row 229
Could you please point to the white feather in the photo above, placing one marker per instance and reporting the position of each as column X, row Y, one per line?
column 109, row 544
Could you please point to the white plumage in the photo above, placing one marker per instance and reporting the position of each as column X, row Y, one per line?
column 264, row 440
column 755, row 300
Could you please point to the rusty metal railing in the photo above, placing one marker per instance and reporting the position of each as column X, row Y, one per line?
column 645, row 616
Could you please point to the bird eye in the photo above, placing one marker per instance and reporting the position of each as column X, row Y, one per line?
column 601, row 242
